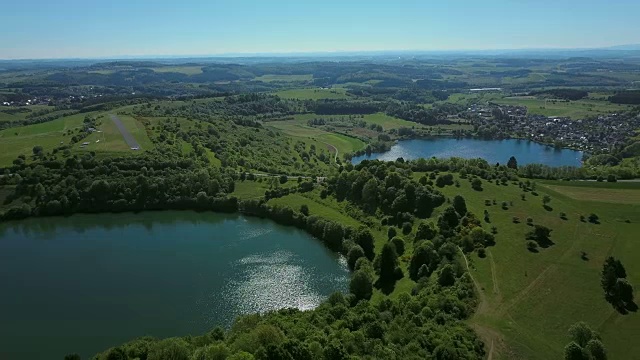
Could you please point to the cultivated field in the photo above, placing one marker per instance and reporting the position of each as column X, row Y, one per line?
column 574, row 109
column 187, row 70
column 313, row 94
column 299, row 129
column 284, row 78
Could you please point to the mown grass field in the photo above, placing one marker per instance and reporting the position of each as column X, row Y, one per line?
column 313, row 94
column 529, row 300
column 21, row 140
column 284, row 78
column 187, row 70
column 609, row 195
column 110, row 139
column 299, row 129
column 387, row 122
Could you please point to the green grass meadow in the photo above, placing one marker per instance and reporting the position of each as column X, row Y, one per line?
column 21, row 140
column 4, row 116
column 531, row 299
column 110, row 139
column 298, row 129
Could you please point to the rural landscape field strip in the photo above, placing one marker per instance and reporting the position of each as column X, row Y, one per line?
column 128, row 138
column 618, row 196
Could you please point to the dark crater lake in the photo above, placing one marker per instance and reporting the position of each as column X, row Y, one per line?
column 88, row 282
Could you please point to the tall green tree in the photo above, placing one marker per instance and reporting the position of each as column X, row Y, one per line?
column 388, row 263
column 361, row 285
column 364, row 238
column 460, row 205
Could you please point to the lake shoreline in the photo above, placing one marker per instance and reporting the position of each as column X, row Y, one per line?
column 480, row 144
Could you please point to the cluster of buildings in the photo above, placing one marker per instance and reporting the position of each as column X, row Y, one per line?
column 595, row 135
column 28, row 102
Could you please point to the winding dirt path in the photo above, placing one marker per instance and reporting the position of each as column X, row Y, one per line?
column 335, row 158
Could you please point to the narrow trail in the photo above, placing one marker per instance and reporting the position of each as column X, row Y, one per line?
column 335, row 158
column 482, row 303
column 494, row 277
column 488, row 335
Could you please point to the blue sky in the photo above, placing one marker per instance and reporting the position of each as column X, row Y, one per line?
column 73, row 28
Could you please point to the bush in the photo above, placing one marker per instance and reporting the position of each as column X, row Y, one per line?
column 476, row 184
column 406, row 228
column 532, row 246
column 391, row 233
column 399, row 245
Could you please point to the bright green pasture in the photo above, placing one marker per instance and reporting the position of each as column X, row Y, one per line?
column 299, row 129
column 21, row 140
column 529, row 300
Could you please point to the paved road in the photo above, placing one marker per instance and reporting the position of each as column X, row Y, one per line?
column 130, row 140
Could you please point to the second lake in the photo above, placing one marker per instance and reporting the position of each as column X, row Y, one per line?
column 494, row 151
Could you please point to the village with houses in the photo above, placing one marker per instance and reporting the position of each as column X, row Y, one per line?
column 598, row 134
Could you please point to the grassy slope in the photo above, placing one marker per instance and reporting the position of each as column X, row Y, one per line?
column 531, row 299
column 21, row 140
column 386, row 121
column 21, row 115
column 330, row 209
column 299, row 129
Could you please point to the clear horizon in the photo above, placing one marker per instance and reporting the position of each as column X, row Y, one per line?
column 196, row 28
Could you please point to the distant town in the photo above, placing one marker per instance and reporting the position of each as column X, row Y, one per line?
column 598, row 134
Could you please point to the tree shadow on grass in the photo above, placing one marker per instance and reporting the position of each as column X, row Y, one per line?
column 385, row 285
column 625, row 308
column 548, row 208
column 544, row 242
